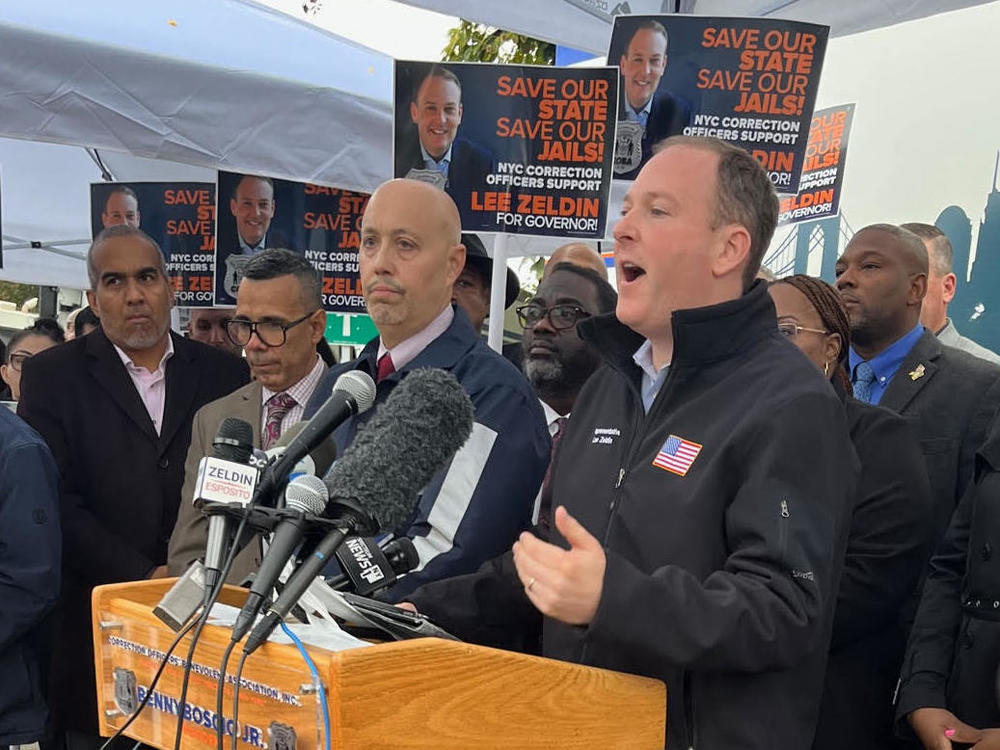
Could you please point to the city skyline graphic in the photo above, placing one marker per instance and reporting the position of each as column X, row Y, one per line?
column 813, row 247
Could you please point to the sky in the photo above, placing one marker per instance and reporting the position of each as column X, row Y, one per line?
column 925, row 130
column 928, row 101
column 395, row 29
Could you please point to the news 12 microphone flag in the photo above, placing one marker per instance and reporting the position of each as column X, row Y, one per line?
column 180, row 216
column 823, row 173
column 749, row 81
column 322, row 223
column 523, row 149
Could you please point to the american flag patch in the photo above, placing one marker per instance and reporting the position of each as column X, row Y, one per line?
column 677, row 455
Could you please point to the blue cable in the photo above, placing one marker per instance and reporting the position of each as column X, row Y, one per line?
column 316, row 677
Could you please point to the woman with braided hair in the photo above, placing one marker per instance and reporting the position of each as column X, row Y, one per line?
column 888, row 538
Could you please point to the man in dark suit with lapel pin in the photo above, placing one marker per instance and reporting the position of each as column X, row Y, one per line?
column 949, row 395
column 279, row 319
column 115, row 408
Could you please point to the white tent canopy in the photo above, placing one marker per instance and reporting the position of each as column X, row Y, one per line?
column 224, row 84
column 173, row 92
column 586, row 24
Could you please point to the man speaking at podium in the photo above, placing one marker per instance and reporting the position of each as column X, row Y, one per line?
column 693, row 541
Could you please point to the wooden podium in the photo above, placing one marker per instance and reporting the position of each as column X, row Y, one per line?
column 424, row 693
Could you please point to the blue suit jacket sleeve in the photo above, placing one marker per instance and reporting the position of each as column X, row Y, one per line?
column 29, row 538
column 473, row 510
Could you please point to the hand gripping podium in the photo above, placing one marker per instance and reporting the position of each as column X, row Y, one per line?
column 426, row 693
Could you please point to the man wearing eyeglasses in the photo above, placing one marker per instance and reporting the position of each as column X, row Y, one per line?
column 278, row 321
column 115, row 407
column 556, row 360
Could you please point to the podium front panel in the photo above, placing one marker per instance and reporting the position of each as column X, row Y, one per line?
column 278, row 705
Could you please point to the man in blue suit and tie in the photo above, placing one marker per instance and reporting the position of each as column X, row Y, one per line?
column 436, row 111
column 645, row 115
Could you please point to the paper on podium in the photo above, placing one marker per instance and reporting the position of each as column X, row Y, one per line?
column 320, row 633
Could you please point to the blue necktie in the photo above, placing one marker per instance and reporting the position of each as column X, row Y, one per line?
column 864, row 376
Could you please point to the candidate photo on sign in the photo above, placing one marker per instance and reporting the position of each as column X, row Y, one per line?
column 435, row 153
column 252, row 206
column 647, row 113
column 121, row 207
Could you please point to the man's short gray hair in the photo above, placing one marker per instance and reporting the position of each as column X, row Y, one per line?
column 941, row 255
column 271, row 264
column 116, row 232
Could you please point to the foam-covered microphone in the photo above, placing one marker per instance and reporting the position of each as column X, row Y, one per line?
column 369, row 567
column 224, row 477
column 353, row 393
column 305, row 494
column 411, row 437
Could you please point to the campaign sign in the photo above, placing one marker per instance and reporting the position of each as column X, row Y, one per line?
column 180, row 216
column 321, row 223
column 524, row 149
column 823, row 173
column 749, row 81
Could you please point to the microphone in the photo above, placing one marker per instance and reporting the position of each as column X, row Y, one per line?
column 224, row 477
column 259, row 459
column 306, row 494
column 369, row 567
column 316, row 462
column 353, row 393
column 411, row 437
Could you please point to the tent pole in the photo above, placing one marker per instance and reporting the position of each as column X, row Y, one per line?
column 498, row 292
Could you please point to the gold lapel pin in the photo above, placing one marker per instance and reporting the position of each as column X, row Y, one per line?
column 917, row 372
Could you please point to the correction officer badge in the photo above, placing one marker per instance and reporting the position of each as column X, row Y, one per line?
column 917, row 372
column 628, row 146
column 430, row 176
column 235, row 265
column 126, row 690
column 280, row 737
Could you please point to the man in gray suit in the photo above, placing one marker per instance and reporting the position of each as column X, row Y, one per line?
column 950, row 396
column 279, row 319
column 941, row 283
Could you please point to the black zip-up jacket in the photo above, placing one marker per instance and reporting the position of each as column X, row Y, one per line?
column 722, row 582
column 953, row 656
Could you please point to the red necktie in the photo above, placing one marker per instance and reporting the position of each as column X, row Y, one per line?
column 545, row 506
column 385, row 368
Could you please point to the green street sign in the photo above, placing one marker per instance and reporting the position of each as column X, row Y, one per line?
column 354, row 330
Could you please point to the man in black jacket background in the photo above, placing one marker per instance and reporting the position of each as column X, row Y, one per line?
column 691, row 543
column 30, row 548
column 115, row 408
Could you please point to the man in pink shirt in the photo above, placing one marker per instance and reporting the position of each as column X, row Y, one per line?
column 115, row 408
